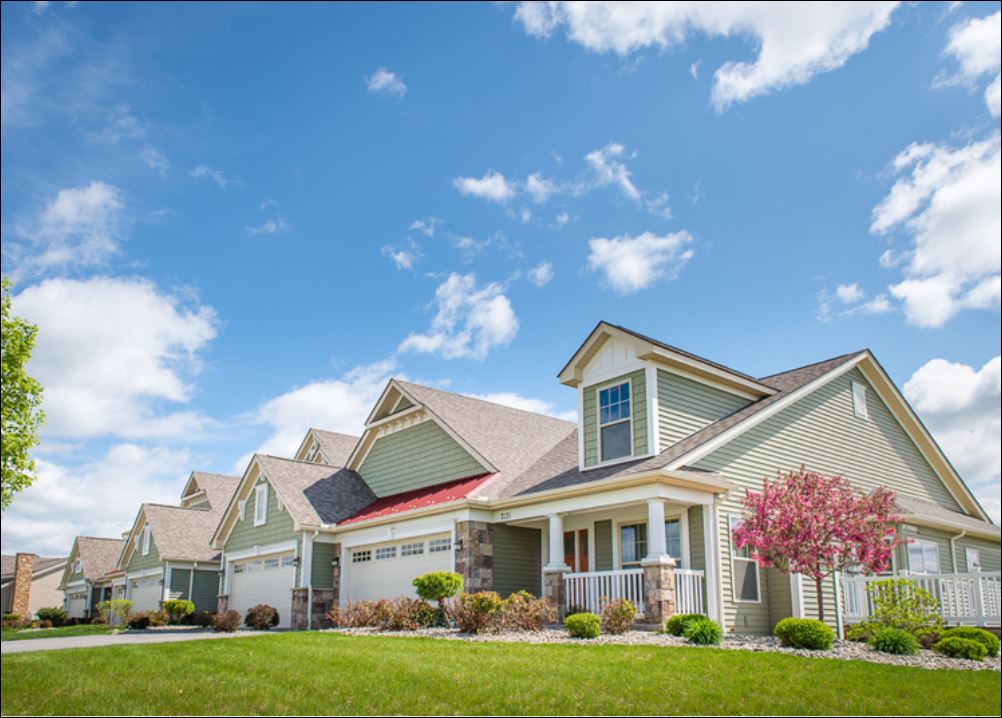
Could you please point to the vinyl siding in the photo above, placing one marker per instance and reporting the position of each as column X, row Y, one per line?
column 517, row 560
column 205, row 590
column 686, row 406
column 603, row 545
column 277, row 528
column 415, row 457
column 179, row 578
column 697, row 546
column 780, row 600
column 321, row 571
column 821, row 432
column 638, row 413
column 810, row 591
column 991, row 554
column 138, row 562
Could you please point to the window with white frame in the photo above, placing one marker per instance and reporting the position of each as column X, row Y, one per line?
column 78, row 565
column 859, row 399
column 439, row 545
column 242, row 509
column 362, row 556
column 412, row 549
column 260, row 504
column 146, row 539
column 313, row 454
column 744, row 569
column 614, row 426
column 632, row 544
column 972, row 557
column 673, row 539
column 385, row 552
column 923, row 556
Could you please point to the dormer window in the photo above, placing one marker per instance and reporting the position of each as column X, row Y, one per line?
column 146, row 540
column 614, row 426
column 312, row 455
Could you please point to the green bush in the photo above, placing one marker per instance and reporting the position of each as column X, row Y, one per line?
column 956, row 647
column 677, row 623
column 807, row 633
column 226, row 621
column 178, row 608
column 986, row 638
column 618, row 615
column 57, row 616
column 861, row 632
column 900, row 603
column 261, row 617
column 702, row 631
column 438, row 586
column 118, row 607
column 477, row 612
column 894, row 641
column 583, row 625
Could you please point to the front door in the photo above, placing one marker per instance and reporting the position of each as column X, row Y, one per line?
column 576, row 550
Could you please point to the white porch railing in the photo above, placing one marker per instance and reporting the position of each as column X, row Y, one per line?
column 964, row 598
column 587, row 590
column 688, row 591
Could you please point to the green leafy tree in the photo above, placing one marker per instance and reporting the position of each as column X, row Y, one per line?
column 22, row 397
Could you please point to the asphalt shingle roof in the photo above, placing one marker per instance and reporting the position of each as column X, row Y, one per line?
column 99, row 555
column 183, row 534
column 316, row 494
column 335, row 446
column 218, row 488
column 915, row 507
column 8, row 563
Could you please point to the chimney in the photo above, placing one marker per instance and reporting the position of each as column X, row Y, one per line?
column 24, row 567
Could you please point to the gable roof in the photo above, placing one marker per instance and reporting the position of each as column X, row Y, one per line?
column 8, row 564
column 98, row 555
column 315, row 494
column 335, row 446
column 919, row 511
column 218, row 488
column 182, row 534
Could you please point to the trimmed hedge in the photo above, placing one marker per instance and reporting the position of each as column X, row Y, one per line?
column 702, row 631
column 677, row 623
column 957, row 647
column 894, row 641
column 583, row 625
column 986, row 638
column 808, row 633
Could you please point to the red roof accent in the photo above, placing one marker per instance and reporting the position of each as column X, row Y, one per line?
column 418, row 498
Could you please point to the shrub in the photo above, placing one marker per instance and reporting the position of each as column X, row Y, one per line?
column 702, row 631
column 42, row 623
column 900, row 603
column 405, row 614
column 118, row 607
column 139, row 620
column 226, row 621
column 618, row 615
column 13, row 620
column 178, row 608
column 55, row 615
column 807, row 633
column 202, row 618
column 476, row 612
column 158, row 618
column 927, row 638
column 894, row 641
column 524, row 612
column 986, row 638
column 956, row 647
column 583, row 625
column 261, row 617
column 861, row 632
column 676, row 624
column 354, row 615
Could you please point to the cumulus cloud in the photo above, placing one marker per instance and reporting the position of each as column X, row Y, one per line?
column 527, row 403
column 469, row 320
column 403, row 256
column 795, row 41
column 271, row 226
column 386, row 83
column 541, row 274
column 847, row 300
column 540, row 188
column 610, row 169
column 112, row 353
column 80, row 227
column 492, row 187
column 848, row 293
column 221, row 179
column 946, row 202
column 976, row 47
column 960, row 405
column 630, row 264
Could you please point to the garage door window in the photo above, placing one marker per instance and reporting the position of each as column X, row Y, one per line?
column 412, row 549
column 439, row 545
column 386, row 552
column 361, row 556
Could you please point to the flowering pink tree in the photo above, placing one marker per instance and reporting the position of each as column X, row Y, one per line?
column 805, row 522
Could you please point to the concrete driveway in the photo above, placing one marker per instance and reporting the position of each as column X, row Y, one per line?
column 118, row 639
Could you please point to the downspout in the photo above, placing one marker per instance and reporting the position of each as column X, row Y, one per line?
column 953, row 551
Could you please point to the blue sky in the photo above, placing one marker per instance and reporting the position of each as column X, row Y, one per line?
column 232, row 222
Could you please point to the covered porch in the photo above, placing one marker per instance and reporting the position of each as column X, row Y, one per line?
column 973, row 598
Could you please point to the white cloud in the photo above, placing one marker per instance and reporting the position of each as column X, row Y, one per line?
column 154, row 159
column 266, row 204
column 526, row 403
column 333, row 404
column 947, row 202
column 795, row 41
column 270, row 226
column 384, row 82
column 425, row 226
column 611, row 170
column 122, row 124
column 976, row 46
column 849, row 293
column 541, row 274
column 469, row 320
column 633, row 263
column 540, row 188
column 80, row 227
column 98, row 498
column 112, row 353
column 217, row 176
column 694, row 69
column 847, row 301
column 960, row 405
column 492, row 187
column 403, row 256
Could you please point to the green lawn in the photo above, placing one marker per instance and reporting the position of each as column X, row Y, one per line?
column 316, row 673
column 20, row 634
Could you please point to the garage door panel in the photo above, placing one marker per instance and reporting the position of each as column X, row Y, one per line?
column 387, row 570
column 268, row 580
column 145, row 594
column 76, row 605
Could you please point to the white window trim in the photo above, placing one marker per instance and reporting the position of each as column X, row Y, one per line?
column 923, row 543
column 599, row 388
column 859, row 409
column 260, row 506
column 147, row 535
column 968, row 552
column 733, row 519
column 618, row 541
column 242, row 508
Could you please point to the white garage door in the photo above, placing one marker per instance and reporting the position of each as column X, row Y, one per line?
column 267, row 580
column 76, row 604
column 145, row 593
column 386, row 570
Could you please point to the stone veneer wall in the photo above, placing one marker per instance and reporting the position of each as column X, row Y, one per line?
column 659, row 590
column 323, row 601
column 24, row 567
column 475, row 562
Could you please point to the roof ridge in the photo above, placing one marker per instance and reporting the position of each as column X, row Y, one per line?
column 329, row 431
column 99, row 538
column 814, row 363
column 300, row 461
column 486, row 401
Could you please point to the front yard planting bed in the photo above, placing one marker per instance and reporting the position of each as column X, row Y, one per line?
column 334, row 673
column 25, row 634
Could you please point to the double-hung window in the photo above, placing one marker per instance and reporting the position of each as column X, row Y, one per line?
column 744, row 569
column 923, row 556
column 972, row 557
column 632, row 544
column 673, row 540
column 260, row 504
column 615, row 434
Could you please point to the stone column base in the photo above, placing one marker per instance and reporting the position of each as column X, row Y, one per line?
column 324, row 599
column 222, row 603
column 659, row 589
column 553, row 588
column 475, row 561
column 300, row 606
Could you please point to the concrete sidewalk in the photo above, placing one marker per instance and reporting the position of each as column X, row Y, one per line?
column 118, row 639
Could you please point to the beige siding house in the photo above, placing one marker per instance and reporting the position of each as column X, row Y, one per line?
column 30, row 582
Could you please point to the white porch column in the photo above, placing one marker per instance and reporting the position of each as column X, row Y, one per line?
column 555, row 560
column 657, row 547
column 796, row 595
column 306, row 562
column 166, row 577
column 711, row 560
